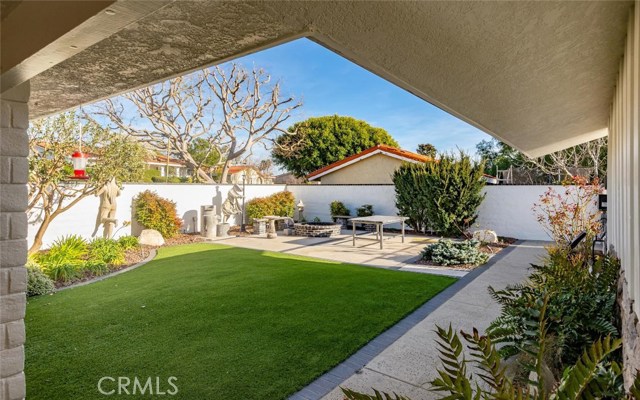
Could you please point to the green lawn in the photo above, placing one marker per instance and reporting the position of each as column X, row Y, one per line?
column 228, row 323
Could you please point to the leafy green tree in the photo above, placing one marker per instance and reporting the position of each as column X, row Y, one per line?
column 443, row 196
column 427, row 149
column 320, row 141
column 51, row 143
column 204, row 153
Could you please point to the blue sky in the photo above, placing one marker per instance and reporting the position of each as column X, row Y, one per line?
column 330, row 84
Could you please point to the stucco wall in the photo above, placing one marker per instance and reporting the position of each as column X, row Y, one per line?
column 376, row 169
column 506, row 209
column 81, row 218
column 623, row 191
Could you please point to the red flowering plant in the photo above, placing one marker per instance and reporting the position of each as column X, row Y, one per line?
column 565, row 214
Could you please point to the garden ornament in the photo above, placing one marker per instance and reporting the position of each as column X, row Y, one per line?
column 231, row 205
column 107, row 211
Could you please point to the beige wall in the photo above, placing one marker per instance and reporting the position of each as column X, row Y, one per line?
column 623, row 178
column 14, row 172
column 375, row 169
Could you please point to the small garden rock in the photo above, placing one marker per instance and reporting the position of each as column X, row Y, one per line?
column 486, row 236
column 151, row 237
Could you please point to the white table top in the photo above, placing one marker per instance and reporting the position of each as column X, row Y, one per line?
column 380, row 219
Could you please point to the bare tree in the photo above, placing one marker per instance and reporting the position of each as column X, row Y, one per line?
column 182, row 110
column 586, row 159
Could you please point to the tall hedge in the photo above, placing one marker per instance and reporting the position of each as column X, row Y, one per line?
column 443, row 196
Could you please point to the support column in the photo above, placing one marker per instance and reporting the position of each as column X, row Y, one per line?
column 14, row 172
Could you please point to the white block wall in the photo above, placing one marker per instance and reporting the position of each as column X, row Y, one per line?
column 506, row 209
column 14, row 172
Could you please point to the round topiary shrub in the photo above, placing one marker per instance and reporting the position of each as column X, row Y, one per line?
column 155, row 212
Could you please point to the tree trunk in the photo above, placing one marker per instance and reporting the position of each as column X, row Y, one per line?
column 37, row 241
column 225, row 172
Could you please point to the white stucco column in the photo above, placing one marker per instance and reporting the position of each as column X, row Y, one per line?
column 14, row 172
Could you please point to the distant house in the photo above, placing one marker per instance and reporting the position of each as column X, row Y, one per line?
column 288, row 179
column 252, row 174
column 374, row 165
column 170, row 167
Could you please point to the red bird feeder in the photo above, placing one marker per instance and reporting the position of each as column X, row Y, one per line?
column 80, row 160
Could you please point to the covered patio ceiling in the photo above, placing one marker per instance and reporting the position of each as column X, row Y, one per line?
column 538, row 75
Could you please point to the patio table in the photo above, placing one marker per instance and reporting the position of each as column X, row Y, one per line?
column 379, row 221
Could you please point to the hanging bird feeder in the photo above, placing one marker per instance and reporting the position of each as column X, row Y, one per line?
column 80, row 161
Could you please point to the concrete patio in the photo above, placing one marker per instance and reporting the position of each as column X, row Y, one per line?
column 396, row 255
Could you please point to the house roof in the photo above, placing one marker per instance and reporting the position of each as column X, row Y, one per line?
column 378, row 149
column 160, row 159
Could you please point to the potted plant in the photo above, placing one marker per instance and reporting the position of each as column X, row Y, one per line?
column 339, row 212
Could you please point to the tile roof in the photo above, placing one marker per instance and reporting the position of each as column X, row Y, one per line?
column 378, row 149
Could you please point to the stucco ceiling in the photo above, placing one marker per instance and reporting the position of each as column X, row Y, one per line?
column 538, row 75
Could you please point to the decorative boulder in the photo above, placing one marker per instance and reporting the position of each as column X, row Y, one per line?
column 150, row 237
column 486, row 236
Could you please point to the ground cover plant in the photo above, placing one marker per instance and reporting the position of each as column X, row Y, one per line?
column 228, row 323
column 448, row 252
column 72, row 258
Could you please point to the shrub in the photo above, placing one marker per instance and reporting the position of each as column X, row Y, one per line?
column 581, row 307
column 448, row 252
column 564, row 215
column 155, row 212
column 64, row 261
column 128, row 242
column 149, row 174
column 170, row 179
column 338, row 208
column 38, row 283
column 106, row 251
column 443, row 195
column 97, row 267
column 281, row 204
column 365, row 211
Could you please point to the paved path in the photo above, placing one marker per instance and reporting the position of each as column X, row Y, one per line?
column 404, row 358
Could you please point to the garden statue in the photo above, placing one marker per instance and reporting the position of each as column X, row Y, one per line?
column 231, row 205
column 107, row 212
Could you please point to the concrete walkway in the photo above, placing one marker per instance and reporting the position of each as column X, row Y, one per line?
column 404, row 358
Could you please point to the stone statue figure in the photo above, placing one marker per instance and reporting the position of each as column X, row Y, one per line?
column 107, row 211
column 231, row 205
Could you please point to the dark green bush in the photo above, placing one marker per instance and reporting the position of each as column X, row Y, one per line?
column 366, row 210
column 281, row 204
column 128, row 242
column 106, row 251
column 443, row 195
column 149, row 174
column 170, row 179
column 38, row 283
column 338, row 208
column 448, row 252
column 155, row 212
